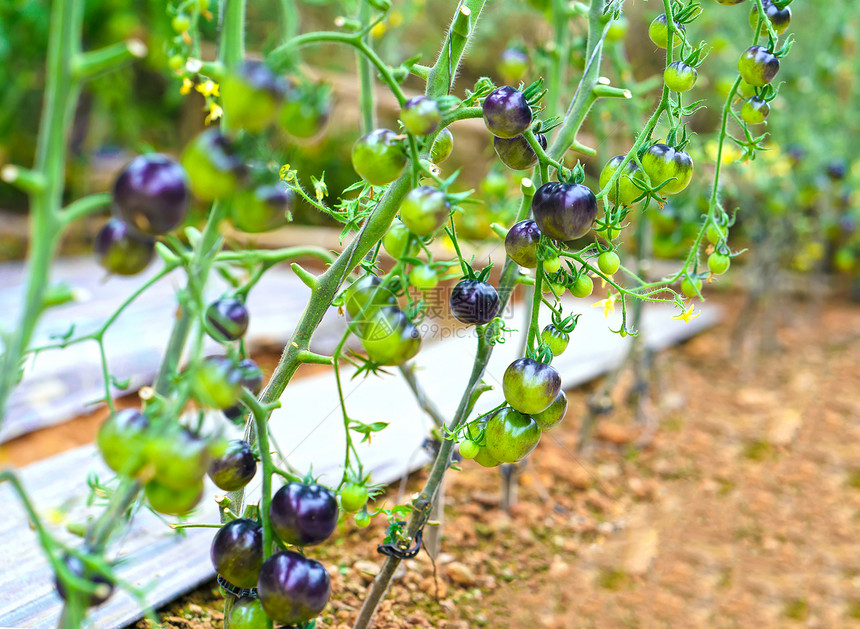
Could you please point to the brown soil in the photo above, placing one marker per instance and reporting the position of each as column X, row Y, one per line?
column 742, row 512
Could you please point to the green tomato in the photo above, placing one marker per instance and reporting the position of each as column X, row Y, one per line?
column 181, row 23
column 758, row 66
column 247, row 613
column 530, row 386
column 719, row 263
column 617, row 29
column 691, row 286
column 379, row 157
column 217, row 382
column 262, row 209
column 494, row 185
column 715, row 234
column 513, row 65
column 442, row 146
column 251, row 96
column 214, row 167
column 582, row 286
column 424, row 210
column 121, row 441
column 474, row 432
column 555, row 339
column 390, row 338
column 420, row 115
column 553, row 414
column 658, row 31
column 170, row 501
column 552, row 265
column 624, row 191
column 362, row 519
column 664, row 163
column 608, row 262
column 397, row 239
column 306, row 110
column 423, row 277
column 469, row 449
column 511, row 436
column 680, row 77
column 179, row 458
column 754, row 110
column 353, row 497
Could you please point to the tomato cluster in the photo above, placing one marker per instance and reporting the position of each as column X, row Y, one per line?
column 292, row 588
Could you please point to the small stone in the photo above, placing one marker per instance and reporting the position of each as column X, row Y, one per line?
column 460, row 573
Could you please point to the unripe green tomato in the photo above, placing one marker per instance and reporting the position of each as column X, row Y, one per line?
column 494, row 185
column 582, row 286
column 181, row 23
column 247, row 613
column 513, row 65
column 379, row 157
column 362, row 519
column 420, row 115
column 217, row 382
column 663, row 163
column 424, row 210
column 745, row 90
column 423, row 277
column 754, row 110
column 251, row 95
column 658, row 31
column 213, row 165
column 624, row 191
column 758, row 66
column 552, row 265
column 617, row 29
column 397, row 239
column 608, row 262
column 610, row 233
column 679, row 77
column 353, row 497
column 442, row 146
column 715, row 234
column 691, row 286
column 719, row 263
column 176, row 62
column 555, row 339
column 469, row 449
column 172, row 501
column 843, row 260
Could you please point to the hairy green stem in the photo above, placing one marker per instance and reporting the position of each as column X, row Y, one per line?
column 368, row 111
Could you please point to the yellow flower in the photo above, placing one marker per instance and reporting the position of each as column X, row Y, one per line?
column 286, row 173
column 395, row 18
column 186, row 86
column 731, row 152
column 687, row 314
column 215, row 112
column 607, row 304
column 208, row 88
column 378, row 30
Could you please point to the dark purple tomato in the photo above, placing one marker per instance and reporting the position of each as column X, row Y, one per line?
column 511, row 435
column 529, row 386
column 475, row 302
column 420, row 115
column 213, row 165
column 120, row 441
column 303, row 515
column 252, row 375
column 424, row 210
column 180, row 458
column 564, row 211
column 251, row 95
column 507, row 114
column 234, row 468
column 293, row 589
column 262, row 209
column 228, row 317
column 758, row 66
column 664, row 163
column 121, row 250
column 516, row 153
column 102, row 587
column 237, row 552
column 389, row 337
column 246, row 613
column 837, row 169
column 172, row 501
column 217, row 382
column 379, row 157
column 151, row 194
column 521, row 243
column 552, row 415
